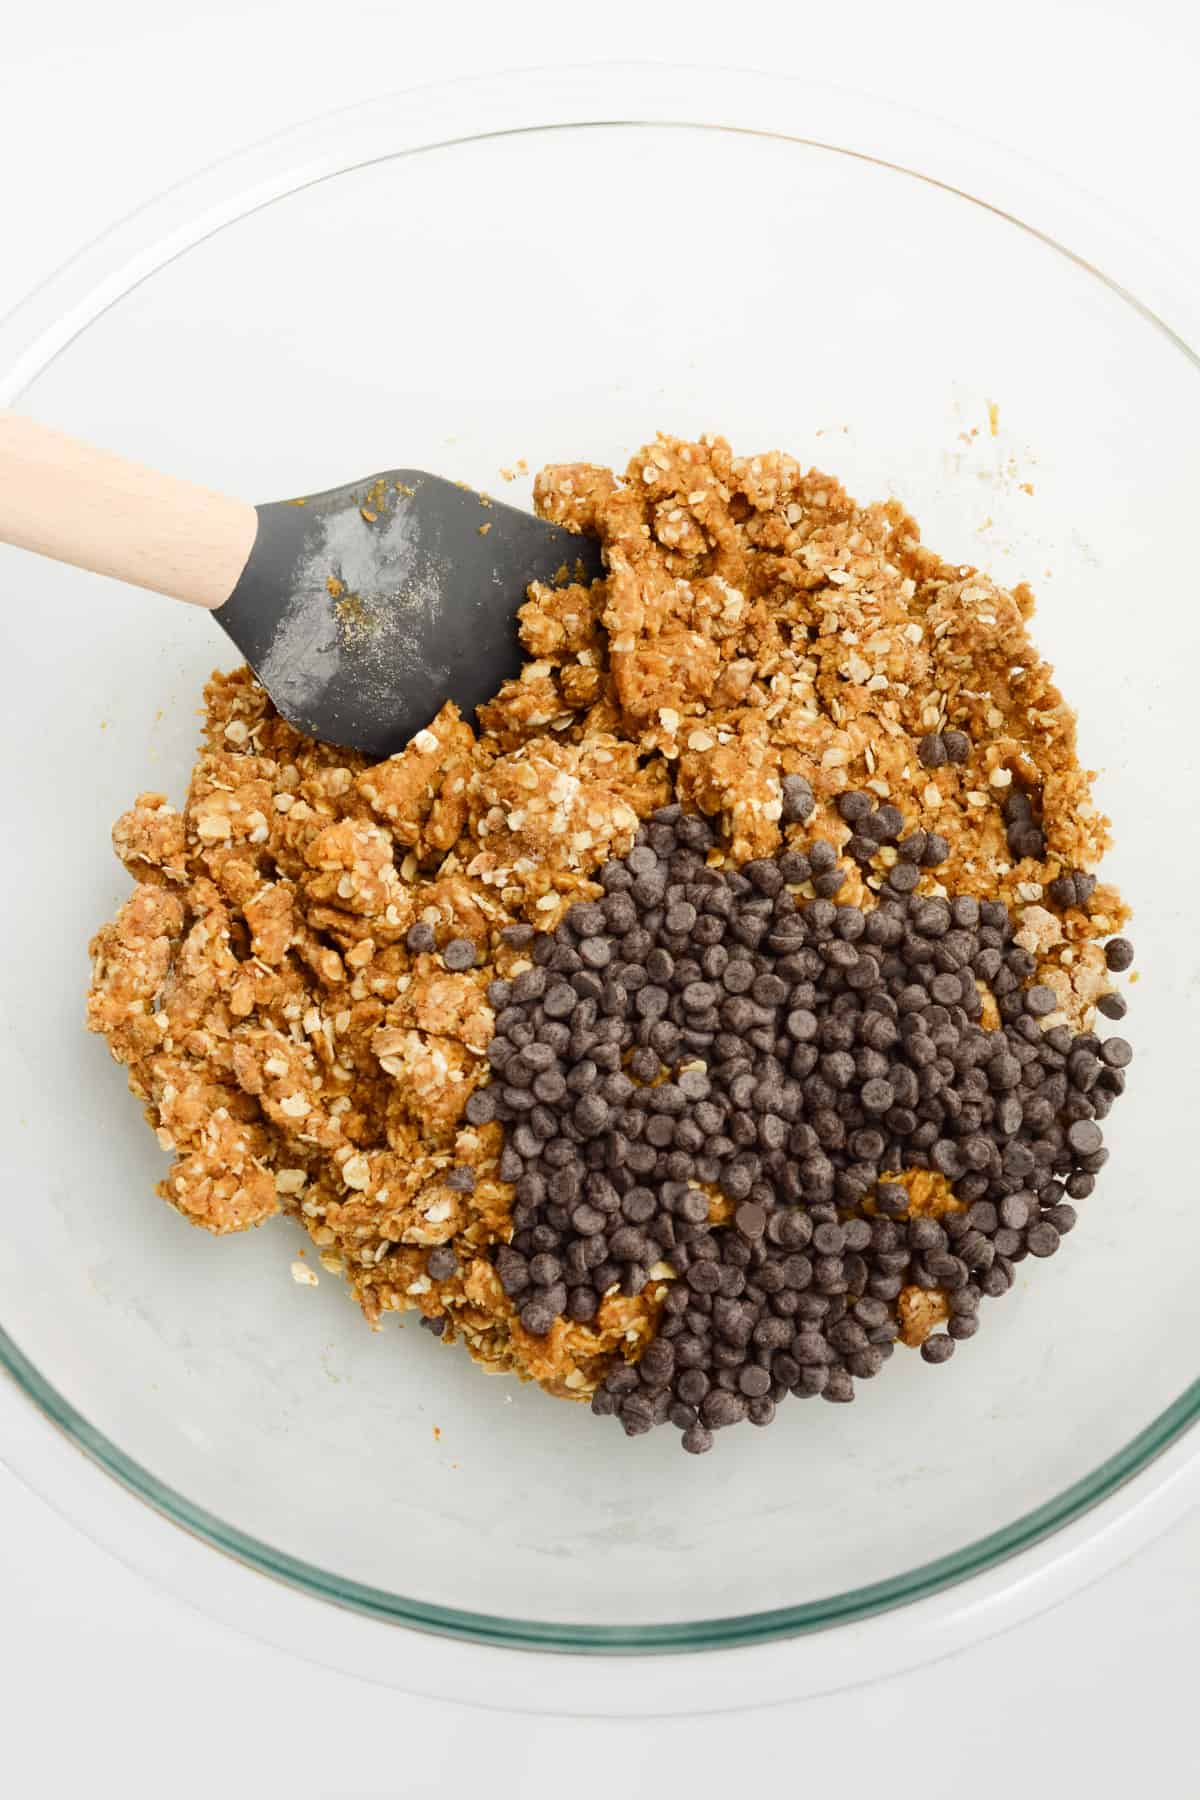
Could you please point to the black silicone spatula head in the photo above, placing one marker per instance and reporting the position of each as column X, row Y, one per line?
column 363, row 609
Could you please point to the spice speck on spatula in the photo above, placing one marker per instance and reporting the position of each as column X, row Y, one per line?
column 361, row 609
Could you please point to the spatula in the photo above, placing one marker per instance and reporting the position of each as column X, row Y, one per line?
column 360, row 609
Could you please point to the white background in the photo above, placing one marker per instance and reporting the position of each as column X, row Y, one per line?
column 103, row 1681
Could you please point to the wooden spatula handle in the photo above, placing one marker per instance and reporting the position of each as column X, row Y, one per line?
column 85, row 506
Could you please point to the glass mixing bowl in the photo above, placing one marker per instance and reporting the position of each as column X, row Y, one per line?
column 458, row 281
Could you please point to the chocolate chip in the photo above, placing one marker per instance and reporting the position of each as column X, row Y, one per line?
column 419, row 938
column 459, row 954
column 1028, row 841
column 798, row 801
column 794, row 868
column 1042, row 1239
column 931, row 918
column 719, row 1409
column 1118, row 954
column 855, row 805
column 481, row 1107
column 537, row 1317
column 957, row 746
column 530, row 984
column 789, row 1055
column 1084, row 1137
column 931, row 751
column 751, row 1220
column 697, row 1439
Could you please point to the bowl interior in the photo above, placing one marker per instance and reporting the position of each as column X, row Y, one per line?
column 560, row 295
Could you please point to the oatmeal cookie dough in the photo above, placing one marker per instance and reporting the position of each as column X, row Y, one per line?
column 277, row 984
column 276, row 988
column 761, row 623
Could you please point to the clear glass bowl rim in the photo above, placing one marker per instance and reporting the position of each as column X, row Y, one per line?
column 602, row 97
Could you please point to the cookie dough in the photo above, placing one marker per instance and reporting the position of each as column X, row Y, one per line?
column 276, row 984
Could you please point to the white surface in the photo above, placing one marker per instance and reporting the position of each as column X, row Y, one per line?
column 1097, row 1698
column 617, row 1687
column 113, row 1677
